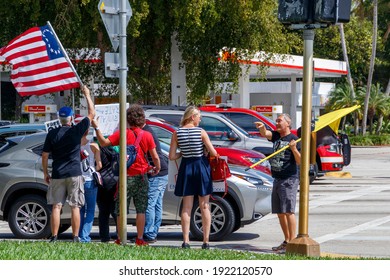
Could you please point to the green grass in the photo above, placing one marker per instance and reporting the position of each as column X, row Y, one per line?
column 42, row 250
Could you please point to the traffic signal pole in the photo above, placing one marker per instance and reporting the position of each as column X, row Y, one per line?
column 303, row 244
column 122, row 122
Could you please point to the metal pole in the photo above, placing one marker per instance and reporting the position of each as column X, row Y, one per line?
column 308, row 36
column 122, row 122
column 303, row 244
column 0, row 93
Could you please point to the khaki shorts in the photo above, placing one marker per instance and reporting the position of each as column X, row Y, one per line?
column 70, row 190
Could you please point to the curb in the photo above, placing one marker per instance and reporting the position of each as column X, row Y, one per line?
column 339, row 174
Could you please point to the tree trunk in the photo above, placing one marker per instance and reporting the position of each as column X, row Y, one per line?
column 345, row 55
column 372, row 64
column 349, row 76
column 380, row 120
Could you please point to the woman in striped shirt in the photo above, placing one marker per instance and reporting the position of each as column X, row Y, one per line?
column 194, row 177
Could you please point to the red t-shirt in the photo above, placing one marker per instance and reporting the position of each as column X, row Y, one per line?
column 141, row 165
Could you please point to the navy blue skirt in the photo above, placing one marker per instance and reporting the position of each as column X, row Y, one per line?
column 194, row 177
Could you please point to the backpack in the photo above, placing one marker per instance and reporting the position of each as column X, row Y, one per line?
column 131, row 155
column 106, row 172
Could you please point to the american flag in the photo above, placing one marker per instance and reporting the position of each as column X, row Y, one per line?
column 38, row 63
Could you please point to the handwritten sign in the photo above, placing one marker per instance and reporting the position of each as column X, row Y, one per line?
column 108, row 115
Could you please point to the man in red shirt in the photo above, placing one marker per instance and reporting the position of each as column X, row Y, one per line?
column 137, row 180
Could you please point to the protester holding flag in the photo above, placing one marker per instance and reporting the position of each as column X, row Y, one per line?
column 285, row 172
column 65, row 182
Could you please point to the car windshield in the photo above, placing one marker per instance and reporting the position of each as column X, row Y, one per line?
column 268, row 118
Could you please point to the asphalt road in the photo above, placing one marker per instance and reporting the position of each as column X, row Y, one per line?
column 349, row 214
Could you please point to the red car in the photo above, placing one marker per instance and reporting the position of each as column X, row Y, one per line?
column 164, row 131
column 332, row 153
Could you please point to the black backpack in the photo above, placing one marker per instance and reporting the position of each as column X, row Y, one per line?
column 107, row 155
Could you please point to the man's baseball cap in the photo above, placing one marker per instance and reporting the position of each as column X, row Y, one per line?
column 65, row 112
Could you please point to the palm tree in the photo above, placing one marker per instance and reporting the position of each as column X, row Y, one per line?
column 340, row 97
column 377, row 105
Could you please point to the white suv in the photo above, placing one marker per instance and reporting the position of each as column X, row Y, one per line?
column 222, row 131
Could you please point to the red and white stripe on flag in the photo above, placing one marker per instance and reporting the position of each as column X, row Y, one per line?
column 38, row 63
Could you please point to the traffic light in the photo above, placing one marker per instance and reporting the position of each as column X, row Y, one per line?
column 295, row 11
column 332, row 11
column 314, row 11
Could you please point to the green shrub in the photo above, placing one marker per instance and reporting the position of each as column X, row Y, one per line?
column 370, row 140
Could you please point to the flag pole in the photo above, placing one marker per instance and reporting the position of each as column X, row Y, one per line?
column 271, row 155
column 65, row 54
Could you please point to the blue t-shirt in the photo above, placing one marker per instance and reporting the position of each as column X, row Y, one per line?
column 283, row 165
column 64, row 145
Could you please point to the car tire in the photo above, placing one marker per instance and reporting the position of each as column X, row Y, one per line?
column 313, row 173
column 222, row 219
column 29, row 217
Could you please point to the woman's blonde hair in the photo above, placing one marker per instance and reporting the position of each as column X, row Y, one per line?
column 188, row 113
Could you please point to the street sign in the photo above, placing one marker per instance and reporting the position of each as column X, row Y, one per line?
column 111, row 65
column 109, row 11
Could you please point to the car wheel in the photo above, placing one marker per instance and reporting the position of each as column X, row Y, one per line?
column 222, row 219
column 29, row 217
column 313, row 172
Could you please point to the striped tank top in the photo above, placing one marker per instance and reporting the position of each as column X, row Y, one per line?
column 190, row 141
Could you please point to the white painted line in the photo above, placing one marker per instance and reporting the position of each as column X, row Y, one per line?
column 359, row 228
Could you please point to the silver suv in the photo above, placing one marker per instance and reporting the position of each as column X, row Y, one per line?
column 23, row 195
column 222, row 131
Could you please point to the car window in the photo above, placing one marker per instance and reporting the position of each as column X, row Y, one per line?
column 245, row 121
column 162, row 134
column 5, row 144
column 38, row 150
column 216, row 129
column 171, row 118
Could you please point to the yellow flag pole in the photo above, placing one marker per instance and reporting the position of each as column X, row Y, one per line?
column 271, row 155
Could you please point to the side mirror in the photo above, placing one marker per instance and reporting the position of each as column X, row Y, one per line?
column 232, row 136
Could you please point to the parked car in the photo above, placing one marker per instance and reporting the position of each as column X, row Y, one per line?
column 21, row 129
column 332, row 150
column 244, row 157
column 23, row 195
column 222, row 131
column 230, row 212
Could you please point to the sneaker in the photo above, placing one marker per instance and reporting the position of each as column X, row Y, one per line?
column 282, row 246
column 118, row 242
column 76, row 239
column 140, row 242
column 185, row 245
column 282, row 251
column 206, row 246
column 150, row 240
column 53, row 239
